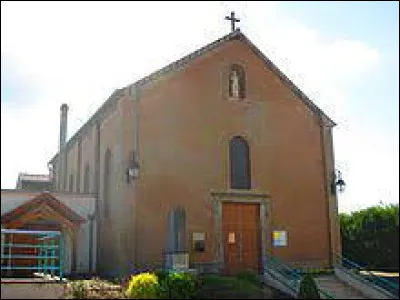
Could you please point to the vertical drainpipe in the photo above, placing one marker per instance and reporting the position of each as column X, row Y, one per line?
column 62, row 153
column 3, row 241
column 79, row 166
column 334, row 211
column 326, row 176
column 137, row 153
column 97, row 190
column 62, row 171
column 134, row 94
column 90, row 218
column 124, row 260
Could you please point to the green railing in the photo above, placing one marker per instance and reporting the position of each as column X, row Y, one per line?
column 287, row 275
column 42, row 254
column 365, row 275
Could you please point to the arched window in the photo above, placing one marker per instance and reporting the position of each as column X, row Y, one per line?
column 237, row 82
column 86, row 178
column 106, row 183
column 239, row 158
column 71, row 183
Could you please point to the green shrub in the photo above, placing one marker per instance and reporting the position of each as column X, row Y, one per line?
column 143, row 286
column 308, row 288
column 178, row 285
column 370, row 236
column 161, row 275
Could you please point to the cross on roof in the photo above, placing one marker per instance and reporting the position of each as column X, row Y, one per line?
column 233, row 20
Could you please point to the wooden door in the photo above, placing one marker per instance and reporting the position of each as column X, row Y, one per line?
column 241, row 237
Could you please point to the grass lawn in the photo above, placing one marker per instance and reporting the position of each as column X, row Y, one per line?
column 232, row 287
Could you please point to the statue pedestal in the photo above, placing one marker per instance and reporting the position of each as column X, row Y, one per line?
column 178, row 261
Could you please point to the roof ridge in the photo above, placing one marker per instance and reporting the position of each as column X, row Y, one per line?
column 237, row 34
column 150, row 77
column 185, row 58
column 241, row 36
column 296, row 90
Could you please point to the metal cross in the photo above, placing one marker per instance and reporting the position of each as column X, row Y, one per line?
column 233, row 20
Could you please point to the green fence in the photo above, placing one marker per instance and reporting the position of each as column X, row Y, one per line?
column 31, row 252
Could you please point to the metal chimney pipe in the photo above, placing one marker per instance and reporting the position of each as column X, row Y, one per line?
column 61, row 182
column 63, row 125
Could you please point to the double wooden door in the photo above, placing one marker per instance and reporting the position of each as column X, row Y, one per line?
column 241, row 237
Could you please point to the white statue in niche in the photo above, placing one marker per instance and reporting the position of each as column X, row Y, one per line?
column 235, row 84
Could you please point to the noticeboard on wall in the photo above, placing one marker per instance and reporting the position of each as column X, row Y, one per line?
column 279, row 238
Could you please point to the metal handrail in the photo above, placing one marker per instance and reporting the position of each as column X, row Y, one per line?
column 292, row 281
column 30, row 246
column 28, row 268
column 29, row 256
column 382, row 283
column 295, row 276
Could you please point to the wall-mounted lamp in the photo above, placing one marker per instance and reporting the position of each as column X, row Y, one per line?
column 133, row 171
column 337, row 182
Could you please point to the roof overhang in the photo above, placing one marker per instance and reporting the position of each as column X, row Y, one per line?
column 44, row 206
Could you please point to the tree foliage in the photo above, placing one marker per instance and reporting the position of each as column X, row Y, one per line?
column 370, row 237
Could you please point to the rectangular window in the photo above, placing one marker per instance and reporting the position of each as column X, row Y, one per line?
column 199, row 241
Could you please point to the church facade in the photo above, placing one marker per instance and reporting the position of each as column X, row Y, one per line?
column 218, row 155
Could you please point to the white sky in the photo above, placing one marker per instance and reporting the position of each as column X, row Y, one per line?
column 79, row 52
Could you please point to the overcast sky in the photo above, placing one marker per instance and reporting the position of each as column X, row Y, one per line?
column 343, row 55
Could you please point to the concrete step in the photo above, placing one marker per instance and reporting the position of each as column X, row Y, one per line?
column 339, row 290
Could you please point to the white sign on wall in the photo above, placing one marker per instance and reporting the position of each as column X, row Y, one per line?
column 279, row 238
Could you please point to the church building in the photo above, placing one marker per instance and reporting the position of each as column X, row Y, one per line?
column 217, row 156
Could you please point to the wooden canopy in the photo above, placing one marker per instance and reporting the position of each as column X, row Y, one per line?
column 41, row 207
